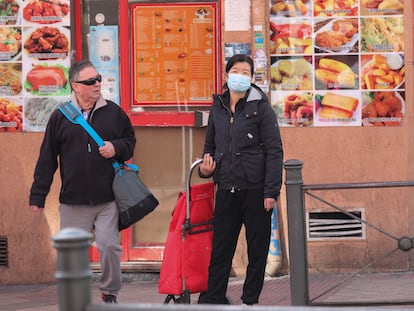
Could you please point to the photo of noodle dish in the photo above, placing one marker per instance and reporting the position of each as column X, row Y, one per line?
column 37, row 111
column 10, row 43
column 293, row 108
column 10, row 79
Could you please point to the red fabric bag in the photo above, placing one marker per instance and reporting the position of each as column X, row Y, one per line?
column 187, row 257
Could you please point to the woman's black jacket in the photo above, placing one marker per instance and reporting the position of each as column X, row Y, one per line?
column 246, row 144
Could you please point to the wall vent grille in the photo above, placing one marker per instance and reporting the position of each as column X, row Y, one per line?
column 335, row 225
column 4, row 253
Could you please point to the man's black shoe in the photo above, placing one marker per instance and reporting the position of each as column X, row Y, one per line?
column 108, row 298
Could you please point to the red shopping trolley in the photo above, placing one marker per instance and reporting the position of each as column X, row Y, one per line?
column 184, row 269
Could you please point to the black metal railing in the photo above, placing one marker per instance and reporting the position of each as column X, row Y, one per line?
column 295, row 197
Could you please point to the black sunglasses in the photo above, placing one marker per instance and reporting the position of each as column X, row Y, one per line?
column 90, row 81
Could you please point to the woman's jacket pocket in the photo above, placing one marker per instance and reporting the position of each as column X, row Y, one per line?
column 253, row 164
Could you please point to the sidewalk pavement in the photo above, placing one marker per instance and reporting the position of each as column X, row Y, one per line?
column 369, row 290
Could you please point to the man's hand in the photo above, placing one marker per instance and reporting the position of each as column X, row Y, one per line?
column 107, row 151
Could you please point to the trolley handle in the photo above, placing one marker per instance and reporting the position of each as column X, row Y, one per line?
column 190, row 173
column 187, row 224
column 188, row 185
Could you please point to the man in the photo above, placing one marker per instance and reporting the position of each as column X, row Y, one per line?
column 86, row 198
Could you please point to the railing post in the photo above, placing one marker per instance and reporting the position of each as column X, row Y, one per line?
column 298, row 258
column 73, row 274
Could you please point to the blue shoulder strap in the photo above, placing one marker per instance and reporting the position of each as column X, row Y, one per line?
column 130, row 166
column 73, row 114
column 69, row 110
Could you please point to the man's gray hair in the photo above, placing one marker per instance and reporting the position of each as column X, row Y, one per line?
column 78, row 67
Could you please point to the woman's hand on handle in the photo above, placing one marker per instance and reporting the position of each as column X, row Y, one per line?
column 208, row 165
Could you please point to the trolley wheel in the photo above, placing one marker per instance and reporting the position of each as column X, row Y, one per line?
column 169, row 298
column 184, row 297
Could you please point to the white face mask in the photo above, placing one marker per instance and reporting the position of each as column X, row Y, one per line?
column 238, row 82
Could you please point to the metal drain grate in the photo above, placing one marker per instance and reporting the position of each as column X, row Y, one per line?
column 3, row 251
column 335, row 225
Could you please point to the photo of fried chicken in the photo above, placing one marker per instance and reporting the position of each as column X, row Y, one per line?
column 337, row 35
column 386, row 108
column 330, row 39
column 347, row 27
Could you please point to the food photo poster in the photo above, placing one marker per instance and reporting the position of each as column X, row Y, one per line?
column 34, row 62
column 337, row 63
column 332, row 62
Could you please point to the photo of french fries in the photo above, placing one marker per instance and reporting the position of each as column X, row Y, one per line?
column 339, row 108
column 382, row 71
column 290, row 8
column 383, row 108
column 324, row 8
column 294, row 73
column 333, row 73
column 290, row 38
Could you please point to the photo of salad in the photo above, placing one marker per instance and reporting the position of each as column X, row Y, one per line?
column 382, row 34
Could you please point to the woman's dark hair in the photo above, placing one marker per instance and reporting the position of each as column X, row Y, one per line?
column 78, row 67
column 240, row 58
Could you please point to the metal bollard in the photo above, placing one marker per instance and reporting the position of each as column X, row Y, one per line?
column 298, row 258
column 73, row 274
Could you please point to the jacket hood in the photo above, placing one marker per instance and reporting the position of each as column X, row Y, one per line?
column 254, row 94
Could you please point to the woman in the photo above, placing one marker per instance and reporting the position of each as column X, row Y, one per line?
column 243, row 152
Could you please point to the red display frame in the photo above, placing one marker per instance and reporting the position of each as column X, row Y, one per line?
column 165, row 114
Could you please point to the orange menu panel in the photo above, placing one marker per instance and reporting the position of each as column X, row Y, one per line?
column 174, row 54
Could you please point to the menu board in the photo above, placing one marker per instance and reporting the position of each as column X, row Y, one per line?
column 34, row 62
column 337, row 63
column 174, row 54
